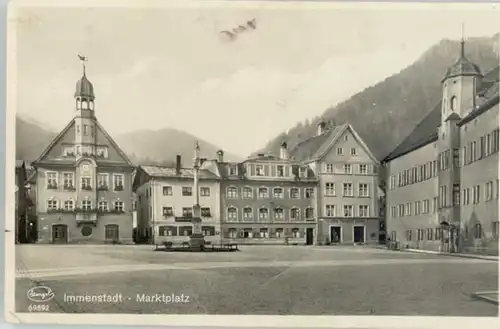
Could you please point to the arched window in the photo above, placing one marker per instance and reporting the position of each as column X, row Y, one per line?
column 247, row 213
column 453, row 103
column 232, row 214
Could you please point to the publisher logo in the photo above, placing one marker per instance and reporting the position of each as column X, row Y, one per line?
column 40, row 294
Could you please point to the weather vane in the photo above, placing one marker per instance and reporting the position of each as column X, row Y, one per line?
column 83, row 59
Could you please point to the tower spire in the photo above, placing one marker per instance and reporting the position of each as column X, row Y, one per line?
column 462, row 42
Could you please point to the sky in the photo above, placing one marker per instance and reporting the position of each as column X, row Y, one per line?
column 155, row 68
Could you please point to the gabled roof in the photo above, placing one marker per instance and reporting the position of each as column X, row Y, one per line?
column 315, row 148
column 43, row 157
column 427, row 130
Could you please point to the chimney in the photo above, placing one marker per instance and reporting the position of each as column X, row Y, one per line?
column 284, row 151
column 321, row 127
column 220, row 156
column 178, row 164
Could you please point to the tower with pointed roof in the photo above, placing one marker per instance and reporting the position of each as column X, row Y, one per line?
column 84, row 180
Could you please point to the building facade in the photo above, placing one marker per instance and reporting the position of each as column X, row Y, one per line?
column 22, row 203
column 83, row 181
column 267, row 200
column 442, row 180
column 165, row 199
column 347, row 174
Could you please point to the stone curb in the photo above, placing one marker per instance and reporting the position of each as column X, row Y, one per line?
column 480, row 296
column 490, row 258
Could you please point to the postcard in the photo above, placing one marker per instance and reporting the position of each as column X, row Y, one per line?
column 252, row 164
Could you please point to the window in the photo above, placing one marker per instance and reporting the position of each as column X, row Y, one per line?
column 309, row 213
column 280, row 170
column 86, row 183
column 86, row 205
column 205, row 212
column 247, row 213
column 102, row 182
column 167, row 190
column 303, row 172
column 363, row 210
column 473, row 154
column 168, row 211
column 453, row 103
column 263, row 214
column 476, row 194
column 363, row 190
column 118, row 206
column 420, row 234
column 426, row 206
column 429, row 234
column 204, row 191
column 489, row 191
column 259, row 170
column 233, row 233
column 264, row 233
column 347, row 168
column 354, row 151
column 231, row 192
column 247, row 192
column 329, row 168
column 233, row 170
column 51, row 180
column 363, row 169
column 456, row 194
column 118, row 182
column 69, row 205
column 296, row 233
column 466, row 197
column 408, row 235
column 434, row 204
column 478, row 231
column 494, row 230
column 68, row 181
column 348, row 211
column 417, row 207
column 187, row 212
column 278, row 213
column 438, row 233
column 340, row 151
column 309, row 193
column 330, row 189
column 295, row 214
column 165, row 231
column 232, row 214
column 401, row 210
column 330, row 210
column 51, row 205
column 85, row 129
column 348, row 189
column 279, row 233
column 102, row 206
column 408, row 209
column 263, row 192
column 187, row 191
column 278, row 193
column 442, row 197
column 294, row 193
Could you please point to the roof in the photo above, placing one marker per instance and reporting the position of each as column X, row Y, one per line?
column 316, row 147
column 84, row 88
column 427, row 130
column 462, row 67
column 171, row 172
column 307, row 149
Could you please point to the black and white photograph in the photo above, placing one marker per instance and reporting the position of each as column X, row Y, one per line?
column 198, row 160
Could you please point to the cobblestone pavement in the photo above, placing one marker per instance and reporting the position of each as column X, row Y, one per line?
column 257, row 280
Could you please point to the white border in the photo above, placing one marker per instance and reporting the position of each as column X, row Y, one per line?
column 192, row 320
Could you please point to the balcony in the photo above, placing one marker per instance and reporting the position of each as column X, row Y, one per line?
column 118, row 188
column 86, row 188
column 86, row 218
column 103, row 187
column 52, row 186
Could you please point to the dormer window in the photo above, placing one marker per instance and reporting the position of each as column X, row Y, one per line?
column 233, row 170
column 259, row 170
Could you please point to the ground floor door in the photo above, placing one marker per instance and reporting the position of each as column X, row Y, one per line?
column 60, row 233
column 112, row 232
column 309, row 235
column 335, row 234
column 359, row 234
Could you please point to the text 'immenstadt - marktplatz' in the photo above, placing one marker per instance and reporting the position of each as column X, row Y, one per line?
column 119, row 298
